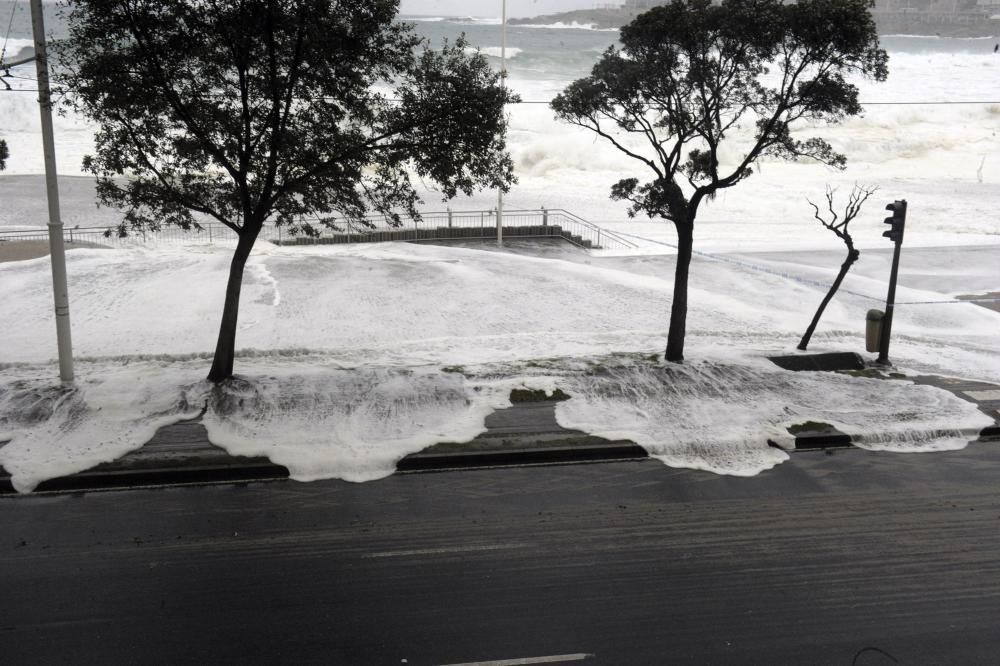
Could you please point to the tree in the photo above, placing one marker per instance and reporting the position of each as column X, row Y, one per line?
column 689, row 75
column 856, row 199
column 283, row 111
column 4, row 154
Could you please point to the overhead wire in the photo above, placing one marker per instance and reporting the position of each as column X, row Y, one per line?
column 899, row 103
column 10, row 24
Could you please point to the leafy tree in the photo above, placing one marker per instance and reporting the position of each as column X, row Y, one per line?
column 283, row 111
column 689, row 76
column 859, row 194
column 4, row 154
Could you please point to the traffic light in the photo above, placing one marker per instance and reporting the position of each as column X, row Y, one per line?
column 898, row 221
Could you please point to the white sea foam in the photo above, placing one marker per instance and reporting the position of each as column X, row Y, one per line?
column 53, row 432
column 155, row 307
column 353, row 424
column 719, row 417
column 304, row 412
column 322, row 420
column 405, row 304
column 340, row 360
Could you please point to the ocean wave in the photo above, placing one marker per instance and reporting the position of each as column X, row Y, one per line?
column 937, row 37
column 494, row 51
column 425, row 19
column 559, row 25
column 473, row 20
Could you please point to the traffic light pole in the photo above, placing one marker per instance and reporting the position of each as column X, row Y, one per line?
column 890, row 299
column 898, row 222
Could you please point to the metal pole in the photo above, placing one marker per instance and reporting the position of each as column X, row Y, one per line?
column 890, row 300
column 503, row 82
column 56, row 247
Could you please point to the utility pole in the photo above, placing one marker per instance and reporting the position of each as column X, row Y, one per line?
column 895, row 234
column 56, row 247
column 503, row 82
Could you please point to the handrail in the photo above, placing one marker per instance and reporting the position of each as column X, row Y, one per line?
column 437, row 225
column 605, row 232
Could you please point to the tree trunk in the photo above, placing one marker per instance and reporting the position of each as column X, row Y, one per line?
column 852, row 256
column 678, row 310
column 225, row 348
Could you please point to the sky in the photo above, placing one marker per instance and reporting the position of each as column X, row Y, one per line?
column 493, row 7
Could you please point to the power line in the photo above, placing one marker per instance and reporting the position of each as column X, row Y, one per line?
column 901, row 103
column 921, row 103
column 6, row 37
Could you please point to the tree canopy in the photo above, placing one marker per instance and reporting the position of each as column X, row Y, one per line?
column 4, row 154
column 283, row 111
column 691, row 76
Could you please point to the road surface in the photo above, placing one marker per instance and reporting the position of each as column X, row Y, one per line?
column 828, row 559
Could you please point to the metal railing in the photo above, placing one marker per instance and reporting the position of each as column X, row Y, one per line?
column 434, row 226
column 108, row 236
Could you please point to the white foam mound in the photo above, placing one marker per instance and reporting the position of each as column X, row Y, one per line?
column 351, row 424
column 114, row 409
column 321, row 420
column 719, row 417
column 318, row 420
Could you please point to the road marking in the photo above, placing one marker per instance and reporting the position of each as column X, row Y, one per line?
column 551, row 659
column 444, row 551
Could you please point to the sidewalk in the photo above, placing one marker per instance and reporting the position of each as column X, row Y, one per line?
column 525, row 433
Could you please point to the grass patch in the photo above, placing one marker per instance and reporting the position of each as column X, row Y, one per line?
column 454, row 368
column 811, row 426
column 871, row 373
column 537, row 395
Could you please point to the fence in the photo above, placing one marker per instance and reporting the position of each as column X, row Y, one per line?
column 435, row 226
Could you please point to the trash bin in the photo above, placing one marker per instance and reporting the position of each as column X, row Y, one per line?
column 873, row 329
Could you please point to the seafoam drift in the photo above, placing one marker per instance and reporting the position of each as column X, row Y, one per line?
column 53, row 432
column 304, row 412
column 352, row 424
column 722, row 415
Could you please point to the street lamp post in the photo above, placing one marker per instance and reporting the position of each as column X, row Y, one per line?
column 56, row 247
column 503, row 82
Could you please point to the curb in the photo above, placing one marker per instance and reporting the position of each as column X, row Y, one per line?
column 425, row 462
column 167, row 476
column 260, row 469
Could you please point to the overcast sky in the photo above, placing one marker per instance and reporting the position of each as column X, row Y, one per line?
column 492, row 7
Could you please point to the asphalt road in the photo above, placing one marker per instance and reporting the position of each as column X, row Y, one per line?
column 828, row 559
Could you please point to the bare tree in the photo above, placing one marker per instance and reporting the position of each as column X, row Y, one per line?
column 859, row 194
